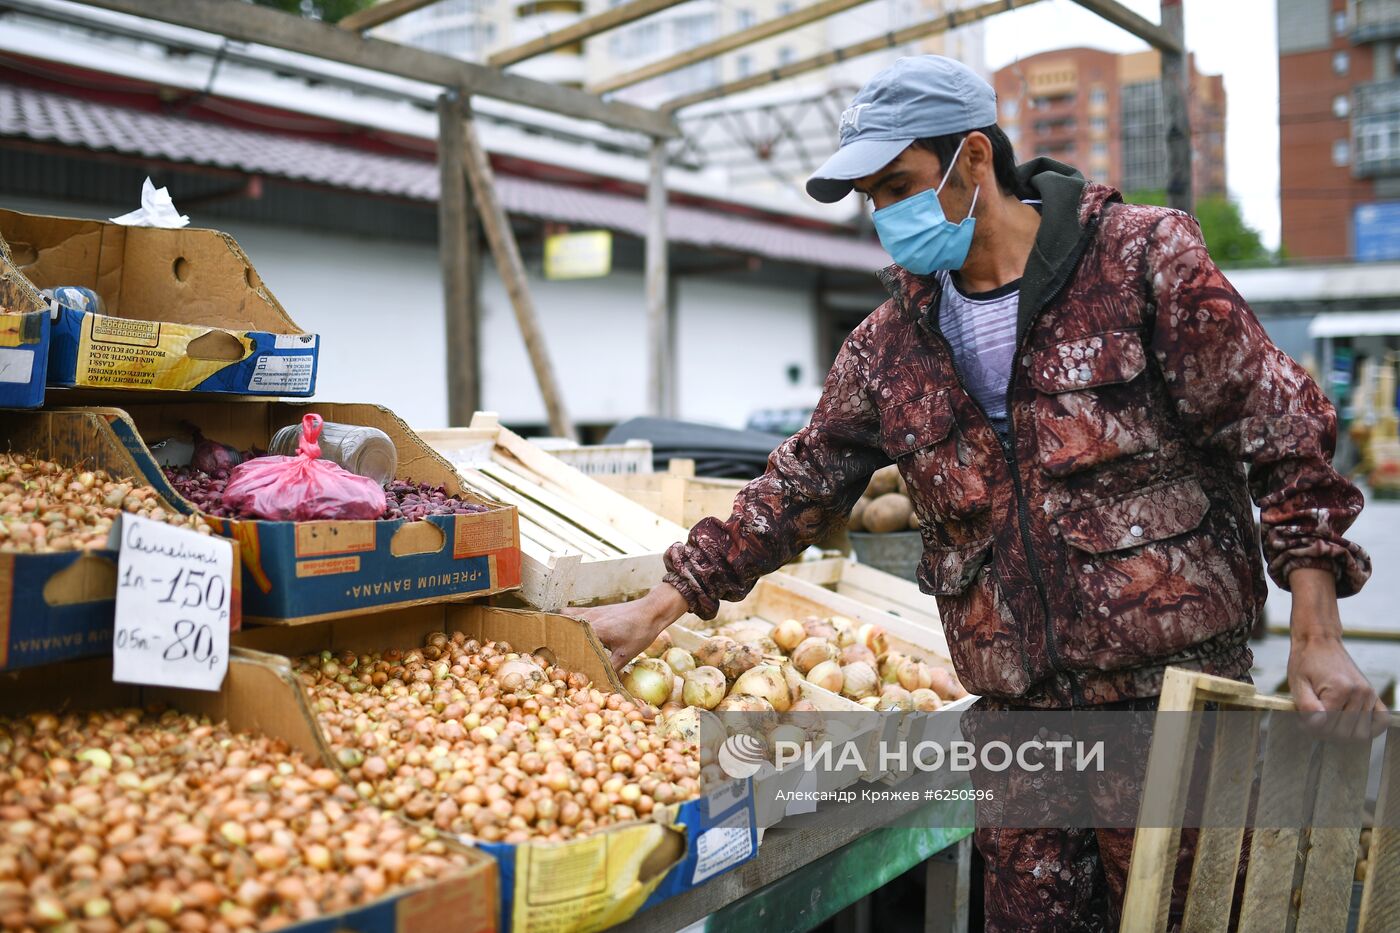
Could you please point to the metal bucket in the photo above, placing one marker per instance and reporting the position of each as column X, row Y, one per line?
column 897, row 552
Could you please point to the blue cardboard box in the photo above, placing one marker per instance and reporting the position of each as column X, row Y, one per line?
column 296, row 572
column 179, row 310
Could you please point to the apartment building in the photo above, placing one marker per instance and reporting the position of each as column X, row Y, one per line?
column 1339, row 128
column 1103, row 113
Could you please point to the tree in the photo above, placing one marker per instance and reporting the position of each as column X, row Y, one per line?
column 329, row 10
column 1231, row 241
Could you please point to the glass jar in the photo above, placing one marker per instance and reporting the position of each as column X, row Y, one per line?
column 365, row 451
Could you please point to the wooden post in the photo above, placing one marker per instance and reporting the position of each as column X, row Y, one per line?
column 1176, row 80
column 658, row 318
column 460, row 281
column 511, row 268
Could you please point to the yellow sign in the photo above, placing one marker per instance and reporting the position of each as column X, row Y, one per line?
column 585, row 255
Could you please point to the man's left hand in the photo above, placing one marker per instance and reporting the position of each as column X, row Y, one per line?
column 1323, row 678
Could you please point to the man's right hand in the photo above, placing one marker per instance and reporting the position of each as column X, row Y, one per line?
column 626, row 629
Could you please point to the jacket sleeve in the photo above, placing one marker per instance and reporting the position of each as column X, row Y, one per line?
column 1238, row 393
column 812, row 481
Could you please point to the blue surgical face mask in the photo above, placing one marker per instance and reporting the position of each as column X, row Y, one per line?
column 919, row 237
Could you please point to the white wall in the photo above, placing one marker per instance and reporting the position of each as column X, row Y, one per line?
column 734, row 344
column 377, row 305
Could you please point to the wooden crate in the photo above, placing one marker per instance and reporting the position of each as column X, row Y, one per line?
column 678, row 495
column 1292, row 882
column 877, row 589
column 780, row 596
column 580, row 541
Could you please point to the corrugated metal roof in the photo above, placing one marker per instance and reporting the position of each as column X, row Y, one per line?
column 47, row 117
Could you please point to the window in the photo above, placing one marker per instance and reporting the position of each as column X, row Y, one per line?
column 1341, row 106
column 743, row 64
column 744, row 18
column 1101, row 150
column 785, row 55
column 1009, row 108
column 1099, row 125
column 785, row 7
column 1098, row 96
column 1339, row 22
column 1341, row 152
column 1341, row 61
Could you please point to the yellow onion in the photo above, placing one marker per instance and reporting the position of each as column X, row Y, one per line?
column 811, row 652
column 712, row 650
column 679, row 660
column 660, row 646
column 873, row 637
column 925, row 700
column 649, row 680
column 913, row 675
column 767, row 682
column 703, row 687
column 828, row 676
column 895, row 698
column 860, row 681
column 788, row 634
column 858, row 652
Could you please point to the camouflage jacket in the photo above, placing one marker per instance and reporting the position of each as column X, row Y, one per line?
column 1112, row 533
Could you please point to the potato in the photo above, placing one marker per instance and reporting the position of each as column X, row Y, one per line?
column 914, row 523
column 857, row 520
column 888, row 513
column 900, row 486
column 884, row 481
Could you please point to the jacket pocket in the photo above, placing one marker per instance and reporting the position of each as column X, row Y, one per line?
column 1091, row 404
column 944, row 478
column 1150, row 576
column 985, row 641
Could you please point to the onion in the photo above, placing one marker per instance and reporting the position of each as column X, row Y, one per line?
column 793, row 677
column 679, row 660
column 765, row 681
column 712, row 651
column 677, row 688
column 703, row 687
column 895, row 698
column 787, row 732
column 945, row 684
column 744, row 703
column 914, row 675
column 811, row 652
column 858, row 652
column 649, row 680
column 828, row 676
column 925, row 700
column 737, row 659
column 873, row 637
column 860, row 681
column 788, row 635
column 660, row 646
column 819, row 628
column 889, row 667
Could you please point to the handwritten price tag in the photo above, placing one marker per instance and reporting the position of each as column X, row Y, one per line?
column 173, row 593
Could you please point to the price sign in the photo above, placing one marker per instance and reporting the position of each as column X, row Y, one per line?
column 174, row 587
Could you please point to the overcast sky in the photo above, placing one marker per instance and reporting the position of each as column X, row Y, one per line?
column 1234, row 38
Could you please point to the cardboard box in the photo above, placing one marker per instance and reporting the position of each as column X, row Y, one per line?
column 24, row 339
column 297, row 572
column 585, row 884
column 54, row 607
column 262, row 695
column 183, row 310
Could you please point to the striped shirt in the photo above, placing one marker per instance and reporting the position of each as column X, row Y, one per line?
column 981, row 328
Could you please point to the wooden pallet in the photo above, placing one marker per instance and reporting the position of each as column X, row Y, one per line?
column 678, row 494
column 581, row 542
column 1297, row 879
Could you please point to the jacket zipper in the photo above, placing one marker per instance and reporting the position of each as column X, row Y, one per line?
column 1009, row 447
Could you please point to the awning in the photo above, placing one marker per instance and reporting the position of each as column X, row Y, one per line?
column 43, row 116
column 1355, row 324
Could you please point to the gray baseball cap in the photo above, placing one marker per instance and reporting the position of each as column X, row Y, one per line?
column 915, row 98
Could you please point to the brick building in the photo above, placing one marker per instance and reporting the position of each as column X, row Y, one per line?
column 1102, row 112
column 1339, row 128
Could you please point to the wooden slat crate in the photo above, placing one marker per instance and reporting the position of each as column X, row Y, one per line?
column 581, row 542
column 1297, row 879
column 877, row 589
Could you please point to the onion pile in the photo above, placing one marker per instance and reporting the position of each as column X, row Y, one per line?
column 837, row 655
column 501, row 746
column 159, row 821
column 47, row 507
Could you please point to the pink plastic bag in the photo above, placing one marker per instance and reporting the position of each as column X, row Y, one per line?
column 302, row 488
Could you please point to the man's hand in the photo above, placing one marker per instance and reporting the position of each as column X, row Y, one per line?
column 1323, row 678
column 627, row 628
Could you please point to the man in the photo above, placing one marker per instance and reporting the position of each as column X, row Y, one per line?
column 1072, row 392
